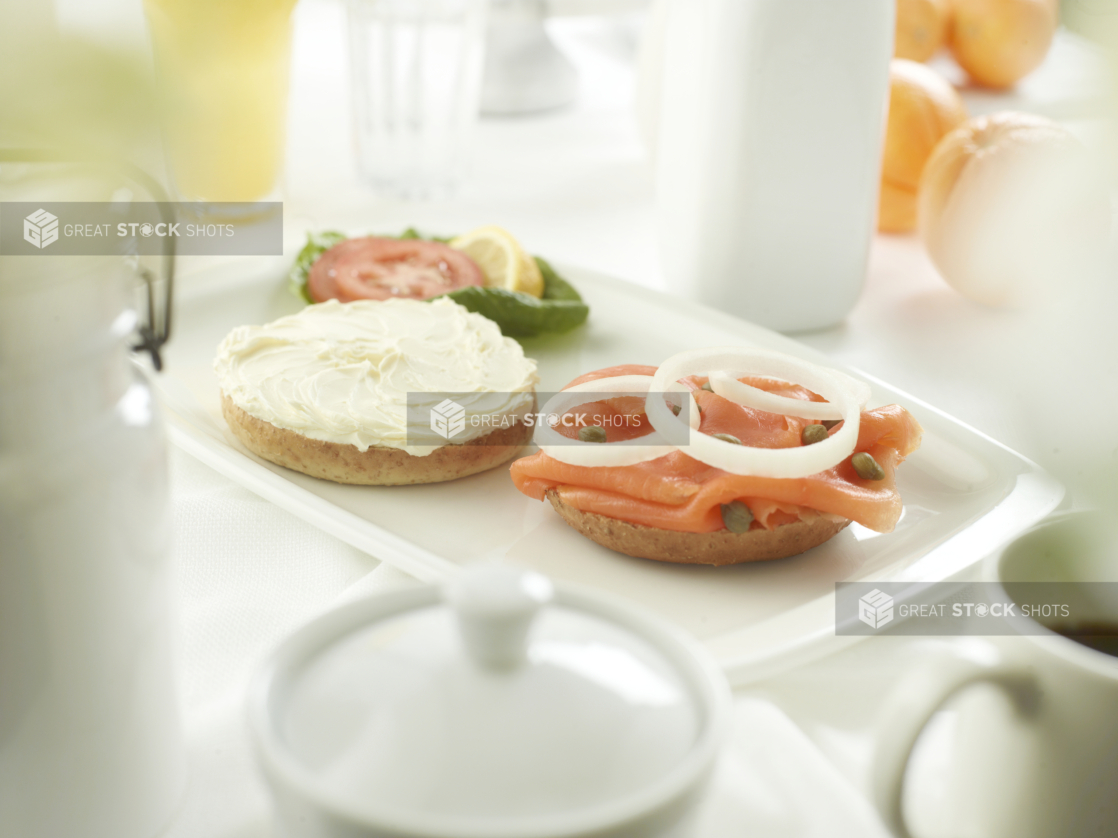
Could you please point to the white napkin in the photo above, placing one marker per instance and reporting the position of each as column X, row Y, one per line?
column 773, row 781
column 250, row 573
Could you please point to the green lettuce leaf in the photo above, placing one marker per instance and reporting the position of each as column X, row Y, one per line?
column 317, row 244
column 560, row 309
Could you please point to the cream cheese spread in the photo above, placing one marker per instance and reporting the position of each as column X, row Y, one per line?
column 342, row 372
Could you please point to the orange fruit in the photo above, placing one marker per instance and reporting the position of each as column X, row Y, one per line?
column 923, row 107
column 921, row 28
column 1011, row 208
column 999, row 42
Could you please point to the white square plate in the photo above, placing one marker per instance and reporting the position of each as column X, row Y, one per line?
column 963, row 493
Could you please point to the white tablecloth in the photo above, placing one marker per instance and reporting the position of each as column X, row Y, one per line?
column 576, row 186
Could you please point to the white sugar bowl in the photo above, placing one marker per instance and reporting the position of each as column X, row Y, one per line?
column 499, row 706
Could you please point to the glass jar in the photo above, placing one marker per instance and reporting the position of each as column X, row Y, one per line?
column 90, row 740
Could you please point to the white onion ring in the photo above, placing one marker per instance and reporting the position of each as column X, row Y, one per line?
column 630, row 452
column 801, row 461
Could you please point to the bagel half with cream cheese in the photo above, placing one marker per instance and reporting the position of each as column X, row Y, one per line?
column 326, row 391
column 376, row 465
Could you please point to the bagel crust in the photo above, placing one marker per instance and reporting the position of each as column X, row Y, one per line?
column 378, row 465
column 713, row 548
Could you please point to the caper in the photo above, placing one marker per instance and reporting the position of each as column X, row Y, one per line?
column 830, row 423
column 707, row 387
column 676, row 409
column 733, row 440
column 812, row 434
column 867, row 466
column 736, row 516
column 592, row 433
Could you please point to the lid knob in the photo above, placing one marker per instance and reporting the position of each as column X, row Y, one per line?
column 495, row 605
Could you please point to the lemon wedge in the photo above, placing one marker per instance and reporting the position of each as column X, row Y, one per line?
column 502, row 260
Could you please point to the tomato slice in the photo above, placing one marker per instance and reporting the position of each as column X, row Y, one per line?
column 372, row 268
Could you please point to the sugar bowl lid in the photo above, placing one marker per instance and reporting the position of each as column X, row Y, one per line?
column 498, row 705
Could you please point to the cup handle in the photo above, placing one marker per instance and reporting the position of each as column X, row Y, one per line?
column 910, row 707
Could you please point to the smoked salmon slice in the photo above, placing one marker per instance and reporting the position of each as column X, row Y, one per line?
column 677, row 492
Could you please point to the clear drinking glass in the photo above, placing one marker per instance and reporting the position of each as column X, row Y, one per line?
column 416, row 78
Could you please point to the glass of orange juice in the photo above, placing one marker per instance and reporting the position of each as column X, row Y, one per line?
column 222, row 67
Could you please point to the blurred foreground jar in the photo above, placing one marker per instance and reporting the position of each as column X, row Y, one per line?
column 90, row 744
column 769, row 153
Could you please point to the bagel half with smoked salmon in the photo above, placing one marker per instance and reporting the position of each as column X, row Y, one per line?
column 677, row 508
column 720, row 547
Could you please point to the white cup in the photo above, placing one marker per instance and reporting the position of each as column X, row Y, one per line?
column 1063, row 780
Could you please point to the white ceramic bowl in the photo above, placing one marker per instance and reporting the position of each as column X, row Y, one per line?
column 350, row 711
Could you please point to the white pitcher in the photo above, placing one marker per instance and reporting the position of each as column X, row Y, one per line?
column 771, row 121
